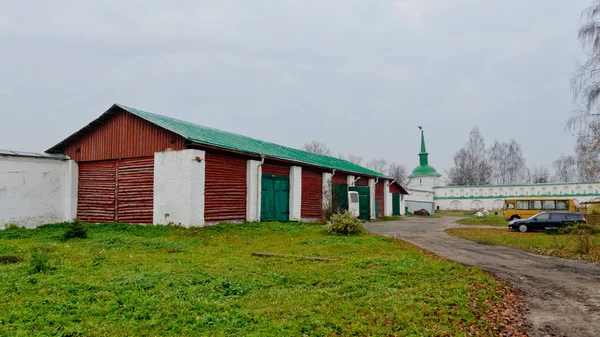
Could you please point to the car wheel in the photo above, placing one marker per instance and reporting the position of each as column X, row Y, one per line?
column 515, row 217
column 523, row 228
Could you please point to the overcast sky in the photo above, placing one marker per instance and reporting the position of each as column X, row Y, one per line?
column 358, row 75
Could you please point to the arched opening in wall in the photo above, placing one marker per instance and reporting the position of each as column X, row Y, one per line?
column 498, row 204
column 455, row 205
column 476, row 205
column 421, row 182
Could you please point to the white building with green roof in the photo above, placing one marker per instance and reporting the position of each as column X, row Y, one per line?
column 422, row 181
column 426, row 192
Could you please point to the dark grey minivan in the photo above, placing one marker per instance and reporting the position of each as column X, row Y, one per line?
column 546, row 219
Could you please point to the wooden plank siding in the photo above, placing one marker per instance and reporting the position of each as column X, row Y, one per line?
column 225, row 188
column 363, row 181
column 135, row 190
column 312, row 194
column 96, row 195
column 116, row 190
column 123, row 136
column 379, row 197
column 271, row 167
column 339, row 179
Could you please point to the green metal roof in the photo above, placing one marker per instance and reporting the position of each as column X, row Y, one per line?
column 229, row 141
column 426, row 170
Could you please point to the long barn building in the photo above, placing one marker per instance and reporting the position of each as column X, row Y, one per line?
column 139, row 167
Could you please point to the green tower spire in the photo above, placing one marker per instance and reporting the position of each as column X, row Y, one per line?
column 423, row 155
column 424, row 169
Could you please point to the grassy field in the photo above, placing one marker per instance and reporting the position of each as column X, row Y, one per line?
column 490, row 220
column 567, row 246
column 170, row 281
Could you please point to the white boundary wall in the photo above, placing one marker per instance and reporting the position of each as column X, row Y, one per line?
column 37, row 190
column 492, row 197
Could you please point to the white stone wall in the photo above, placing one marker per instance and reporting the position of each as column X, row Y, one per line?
column 36, row 191
column 179, row 178
column 492, row 197
column 253, row 186
column 295, row 193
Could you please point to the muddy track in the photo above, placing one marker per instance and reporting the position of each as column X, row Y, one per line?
column 563, row 296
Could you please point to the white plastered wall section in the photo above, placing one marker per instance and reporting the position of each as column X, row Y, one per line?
column 372, row 198
column 253, row 188
column 179, row 178
column 387, row 199
column 327, row 192
column 36, row 191
column 295, row 193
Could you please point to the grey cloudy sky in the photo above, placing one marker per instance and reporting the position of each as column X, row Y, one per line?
column 358, row 75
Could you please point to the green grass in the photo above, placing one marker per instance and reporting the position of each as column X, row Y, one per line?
column 489, row 220
column 171, row 281
column 566, row 246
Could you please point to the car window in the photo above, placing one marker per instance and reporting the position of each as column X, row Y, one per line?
column 543, row 216
column 557, row 216
column 562, row 204
column 574, row 217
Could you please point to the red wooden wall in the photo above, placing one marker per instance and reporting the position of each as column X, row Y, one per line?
column 270, row 167
column 379, row 197
column 312, row 194
column 123, row 136
column 225, row 188
column 116, row 190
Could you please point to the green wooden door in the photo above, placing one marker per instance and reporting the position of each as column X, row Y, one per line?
column 275, row 198
column 364, row 200
column 340, row 197
column 395, row 204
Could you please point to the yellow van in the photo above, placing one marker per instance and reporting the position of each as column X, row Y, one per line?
column 522, row 208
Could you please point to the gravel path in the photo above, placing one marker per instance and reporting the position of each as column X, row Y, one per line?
column 563, row 296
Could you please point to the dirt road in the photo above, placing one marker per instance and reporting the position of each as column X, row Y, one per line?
column 563, row 296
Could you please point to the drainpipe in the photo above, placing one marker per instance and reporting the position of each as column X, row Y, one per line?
column 355, row 180
column 376, row 180
column 258, row 173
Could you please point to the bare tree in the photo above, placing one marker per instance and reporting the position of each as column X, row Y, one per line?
column 587, row 153
column 378, row 165
column 471, row 166
column 317, row 147
column 586, row 91
column 399, row 173
column 586, row 81
column 508, row 164
column 352, row 158
column 540, row 175
column 564, row 169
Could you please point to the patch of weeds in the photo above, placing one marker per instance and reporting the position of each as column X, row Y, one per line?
column 10, row 259
column 345, row 224
column 75, row 229
column 39, row 262
column 174, row 250
column 230, row 289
